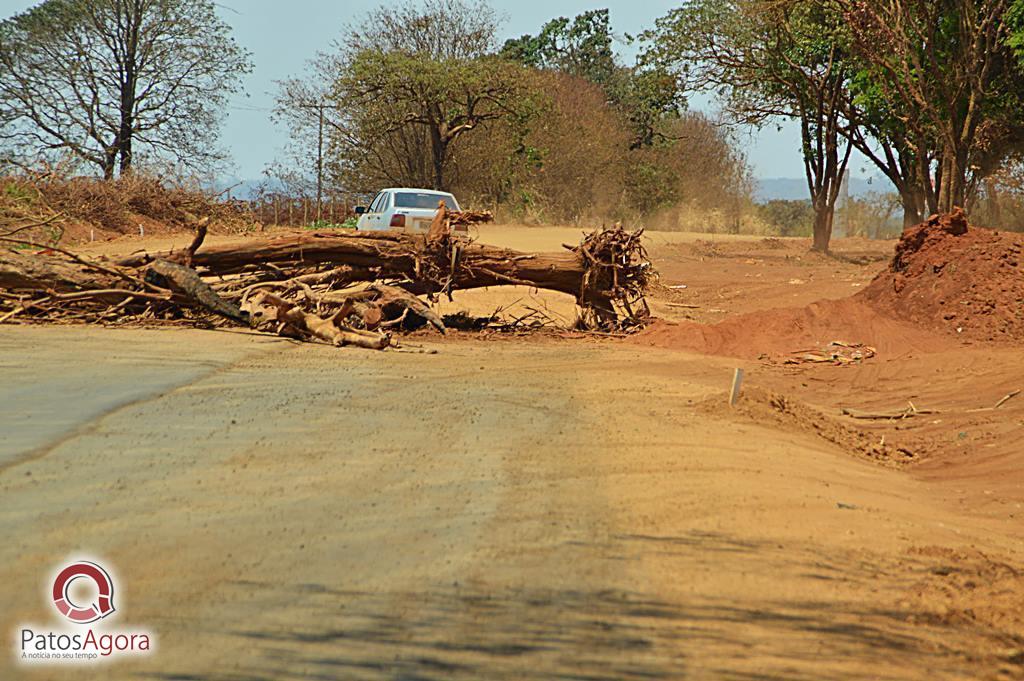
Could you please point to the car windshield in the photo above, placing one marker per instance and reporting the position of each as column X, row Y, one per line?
column 424, row 200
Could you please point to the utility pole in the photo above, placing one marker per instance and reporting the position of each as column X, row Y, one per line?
column 320, row 166
column 320, row 107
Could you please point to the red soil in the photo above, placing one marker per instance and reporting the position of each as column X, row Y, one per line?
column 782, row 332
column 951, row 276
column 946, row 276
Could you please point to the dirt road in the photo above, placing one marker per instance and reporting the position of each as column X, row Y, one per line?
column 500, row 510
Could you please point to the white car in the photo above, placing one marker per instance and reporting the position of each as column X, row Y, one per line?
column 403, row 209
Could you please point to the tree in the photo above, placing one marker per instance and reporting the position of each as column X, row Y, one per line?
column 647, row 95
column 788, row 217
column 870, row 215
column 877, row 128
column 952, row 69
column 108, row 80
column 651, row 100
column 395, row 92
column 1000, row 201
column 697, row 168
column 556, row 129
column 575, row 169
column 770, row 60
column 580, row 47
column 404, row 86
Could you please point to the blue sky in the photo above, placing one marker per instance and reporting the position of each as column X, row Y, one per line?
column 283, row 36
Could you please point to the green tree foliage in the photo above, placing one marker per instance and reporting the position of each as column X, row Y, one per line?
column 647, row 96
column 877, row 127
column 108, row 80
column 551, row 127
column 658, row 160
column 1014, row 22
column 581, row 47
column 650, row 99
column 770, row 60
column 788, row 217
column 951, row 71
column 927, row 91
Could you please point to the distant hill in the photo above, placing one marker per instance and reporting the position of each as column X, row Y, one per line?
column 795, row 189
column 239, row 188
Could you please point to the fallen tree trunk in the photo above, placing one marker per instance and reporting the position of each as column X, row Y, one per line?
column 311, row 274
column 607, row 268
column 188, row 283
column 390, row 255
column 48, row 272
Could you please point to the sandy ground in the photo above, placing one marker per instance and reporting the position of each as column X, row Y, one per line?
column 510, row 236
column 521, row 508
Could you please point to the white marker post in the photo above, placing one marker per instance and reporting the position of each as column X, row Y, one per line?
column 737, row 385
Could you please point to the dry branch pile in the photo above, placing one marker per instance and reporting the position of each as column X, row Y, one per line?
column 461, row 220
column 339, row 287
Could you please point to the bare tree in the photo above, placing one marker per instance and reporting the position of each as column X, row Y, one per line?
column 106, row 80
column 440, row 29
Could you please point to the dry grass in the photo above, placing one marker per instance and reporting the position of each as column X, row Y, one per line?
column 51, row 208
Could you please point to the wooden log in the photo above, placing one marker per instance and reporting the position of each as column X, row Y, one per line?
column 394, row 296
column 268, row 308
column 393, row 255
column 40, row 272
column 907, row 413
column 186, row 281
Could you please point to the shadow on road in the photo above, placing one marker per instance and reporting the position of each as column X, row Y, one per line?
column 471, row 631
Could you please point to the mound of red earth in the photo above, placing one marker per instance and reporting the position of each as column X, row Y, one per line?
column 950, row 275
column 782, row 333
column 947, row 280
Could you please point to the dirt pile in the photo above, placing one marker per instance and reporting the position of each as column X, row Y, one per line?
column 946, row 276
column 784, row 333
column 950, row 275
